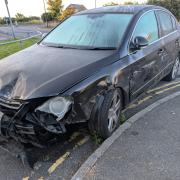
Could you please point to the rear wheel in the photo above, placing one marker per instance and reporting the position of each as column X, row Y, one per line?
column 109, row 114
column 174, row 72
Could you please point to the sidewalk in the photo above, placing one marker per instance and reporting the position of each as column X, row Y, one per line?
column 148, row 150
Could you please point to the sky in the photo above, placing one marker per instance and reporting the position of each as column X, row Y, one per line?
column 36, row 8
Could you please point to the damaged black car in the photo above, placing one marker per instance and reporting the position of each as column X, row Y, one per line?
column 87, row 69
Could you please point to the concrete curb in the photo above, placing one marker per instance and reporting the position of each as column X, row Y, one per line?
column 89, row 163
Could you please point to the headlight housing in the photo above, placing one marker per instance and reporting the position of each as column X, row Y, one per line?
column 57, row 106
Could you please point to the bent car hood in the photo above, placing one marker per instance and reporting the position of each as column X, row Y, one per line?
column 41, row 71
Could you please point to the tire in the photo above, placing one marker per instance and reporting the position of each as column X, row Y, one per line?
column 174, row 72
column 109, row 114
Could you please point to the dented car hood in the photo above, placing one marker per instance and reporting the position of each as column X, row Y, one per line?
column 41, row 71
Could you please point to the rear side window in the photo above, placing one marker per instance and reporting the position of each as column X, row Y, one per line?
column 147, row 27
column 165, row 22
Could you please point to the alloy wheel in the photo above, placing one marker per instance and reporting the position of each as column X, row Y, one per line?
column 114, row 112
column 175, row 68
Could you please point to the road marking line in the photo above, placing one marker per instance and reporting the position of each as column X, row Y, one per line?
column 41, row 178
column 166, row 85
column 83, row 141
column 74, row 136
column 167, row 89
column 25, row 178
column 139, row 102
column 58, row 162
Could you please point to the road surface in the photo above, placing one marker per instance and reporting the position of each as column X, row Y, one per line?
column 22, row 31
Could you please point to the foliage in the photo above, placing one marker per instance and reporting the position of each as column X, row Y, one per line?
column 122, row 118
column 97, row 139
column 126, row 3
column 20, row 18
column 47, row 16
column 172, row 5
column 55, row 8
column 110, row 4
column 1, row 21
column 66, row 13
column 131, row 3
column 31, row 18
column 34, row 22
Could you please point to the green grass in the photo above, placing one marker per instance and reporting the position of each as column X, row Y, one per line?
column 6, row 50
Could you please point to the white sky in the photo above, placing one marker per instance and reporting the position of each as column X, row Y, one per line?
column 35, row 7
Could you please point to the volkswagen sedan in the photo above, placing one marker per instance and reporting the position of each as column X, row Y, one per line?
column 87, row 69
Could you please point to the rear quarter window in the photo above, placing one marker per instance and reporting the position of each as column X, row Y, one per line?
column 174, row 23
column 166, row 22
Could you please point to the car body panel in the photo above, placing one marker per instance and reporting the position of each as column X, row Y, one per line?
column 26, row 74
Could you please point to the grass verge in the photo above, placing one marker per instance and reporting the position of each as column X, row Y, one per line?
column 8, row 49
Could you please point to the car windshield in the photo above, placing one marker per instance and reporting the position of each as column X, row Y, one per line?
column 89, row 31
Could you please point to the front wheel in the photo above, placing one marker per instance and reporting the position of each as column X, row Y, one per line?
column 109, row 117
column 174, row 72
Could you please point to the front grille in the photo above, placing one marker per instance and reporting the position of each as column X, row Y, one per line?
column 10, row 104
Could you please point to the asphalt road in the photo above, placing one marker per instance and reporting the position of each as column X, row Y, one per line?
column 61, row 160
column 22, row 31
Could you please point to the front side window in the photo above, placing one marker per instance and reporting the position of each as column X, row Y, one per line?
column 166, row 22
column 147, row 27
column 90, row 30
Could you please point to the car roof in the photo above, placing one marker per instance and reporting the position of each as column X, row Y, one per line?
column 130, row 9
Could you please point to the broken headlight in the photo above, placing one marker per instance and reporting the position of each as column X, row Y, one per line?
column 57, row 106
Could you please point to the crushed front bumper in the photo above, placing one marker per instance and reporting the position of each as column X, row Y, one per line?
column 20, row 122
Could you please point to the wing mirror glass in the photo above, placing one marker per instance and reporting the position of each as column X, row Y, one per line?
column 138, row 43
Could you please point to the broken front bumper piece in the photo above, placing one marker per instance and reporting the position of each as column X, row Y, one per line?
column 22, row 123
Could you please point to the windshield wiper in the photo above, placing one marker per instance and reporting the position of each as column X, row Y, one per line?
column 56, row 46
column 80, row 47
column 61, row 46
column 102, row 48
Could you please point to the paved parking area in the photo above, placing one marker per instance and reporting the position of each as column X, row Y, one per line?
column 148, row 150
column 21, row 31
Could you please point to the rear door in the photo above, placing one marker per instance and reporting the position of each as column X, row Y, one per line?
column 146, row 64
column 169, row 38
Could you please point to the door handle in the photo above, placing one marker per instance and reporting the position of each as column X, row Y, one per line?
column 177, row 42
column 160, row 52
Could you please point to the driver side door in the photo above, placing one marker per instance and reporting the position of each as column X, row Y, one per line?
column 146, row 61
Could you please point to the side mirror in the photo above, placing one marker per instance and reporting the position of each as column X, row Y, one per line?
column 138, row 43
column 43, row 35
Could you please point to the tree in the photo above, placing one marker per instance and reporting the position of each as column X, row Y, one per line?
column 66, row 13
column 172, row 5
column 55, row 7
column 21, row 18
column 47, row 15
column 130, row 3
column 110, row 4
column 31, row 18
